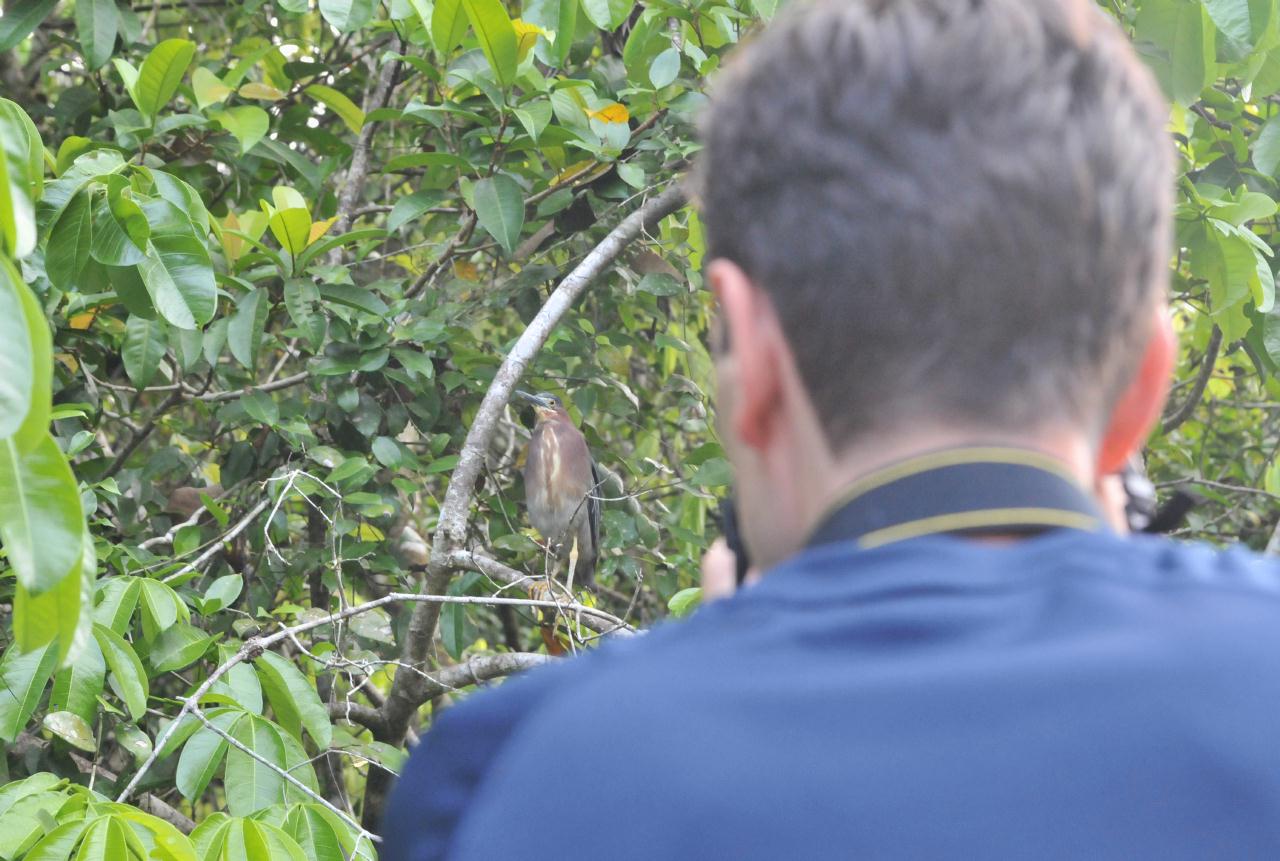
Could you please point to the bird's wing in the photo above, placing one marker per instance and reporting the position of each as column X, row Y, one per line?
column 593, row 506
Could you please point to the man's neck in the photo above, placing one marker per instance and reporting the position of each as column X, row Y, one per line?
column 834, row 479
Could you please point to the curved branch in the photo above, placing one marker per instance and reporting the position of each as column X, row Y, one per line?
column 457, row 500
column 358, row 713
column 1207, row 362
column 482, row 668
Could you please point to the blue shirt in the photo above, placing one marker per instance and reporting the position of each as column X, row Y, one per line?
column 1074, row 694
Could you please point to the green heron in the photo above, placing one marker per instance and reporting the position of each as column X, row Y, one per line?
column 561, row 487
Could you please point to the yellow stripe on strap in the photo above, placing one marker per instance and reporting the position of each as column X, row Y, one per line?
column 985, row 518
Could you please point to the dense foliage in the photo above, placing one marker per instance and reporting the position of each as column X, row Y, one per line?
column 262, row 265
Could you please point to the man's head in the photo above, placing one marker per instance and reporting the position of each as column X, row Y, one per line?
column 936, row 214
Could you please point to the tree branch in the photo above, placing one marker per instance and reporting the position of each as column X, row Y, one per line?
column 407, row 689
column 1207, row 362
column 353, row 185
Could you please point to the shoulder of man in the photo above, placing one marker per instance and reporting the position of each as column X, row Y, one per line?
column 446, row 773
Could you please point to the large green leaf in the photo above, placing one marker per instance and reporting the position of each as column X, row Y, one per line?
column 23, row 676
column 179, row 278
column 248, row 124
column 244, row 330
column 96, row 24
column 347, row 15
column 257, row 786
column 17, row 355
column 144, row 347
column 20, row 18
column 202, row 755
column 1235, row 19
column 294, row 699
column 77, row 686
column 500, row 209
column 448, row 25
column 178, row 646
column 1176, row 38
column 67, row 251
column 497, row 37
column 130, row 679
column 161, row 73
column 116, row 223
column 41, row 521
column 60, row 612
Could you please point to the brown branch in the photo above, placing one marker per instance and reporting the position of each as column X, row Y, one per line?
column 353, row 185
column 141, row 435
column 1210, row 358
column 408, row 688
column 366, row 716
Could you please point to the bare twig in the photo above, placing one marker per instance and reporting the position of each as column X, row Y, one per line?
column 1210, row 358
column 217, row 545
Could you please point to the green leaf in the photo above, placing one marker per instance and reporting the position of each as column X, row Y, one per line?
column 245, row 329
column 210, row 90
column 499, row 206
column 72, row 729
column 126, row 670
column 67, row 249
column 448, row 25
column 597, row 12
column 78, row 685
column 291, row 228
column 714, row 472
column 411, row 207
column 41, row 521
column 20, row 18
column 1266, row 148
column 256, row 786
column 1233, row 20
column 359, row 298
column 201, row 757
column 248, row 124
column 115, row 223
column 294, row 699
column 387, row 452
column 178, row 646
column 339, row 104
column 23, row 676
column 497, row 37
column 223, row 592
column 17, row 356
column 685, row 601
column 35, row 423
column 665, row 68
column 161, row 73
column 347, row 15
column 178, row 276
column 566, row 27
column 96, row 25
column 144, row 347
column 260, row 407
column 117, row 600
column 1176, row 38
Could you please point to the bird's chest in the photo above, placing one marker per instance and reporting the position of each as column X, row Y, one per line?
column 553, row 485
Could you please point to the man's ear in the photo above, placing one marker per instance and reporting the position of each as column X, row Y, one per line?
column 753, row 334
column 1139, row 408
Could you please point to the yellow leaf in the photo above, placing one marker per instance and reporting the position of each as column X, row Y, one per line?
column 369, row 532
column 260, row 91
column 406, row 262
column 466, row 270
column 614, row 112
column 82, row 320
column 573, row 169
column 527, row 36
column 69, row 360
column 232, row 245
column 320, row 228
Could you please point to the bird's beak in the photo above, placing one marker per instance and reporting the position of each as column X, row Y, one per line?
column 533, row 399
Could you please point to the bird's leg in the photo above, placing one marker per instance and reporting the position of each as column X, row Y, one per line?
column 573, row 563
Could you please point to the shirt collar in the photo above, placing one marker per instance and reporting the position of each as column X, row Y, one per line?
column 991, row 490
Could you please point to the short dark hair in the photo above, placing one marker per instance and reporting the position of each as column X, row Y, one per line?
column 960, row 209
